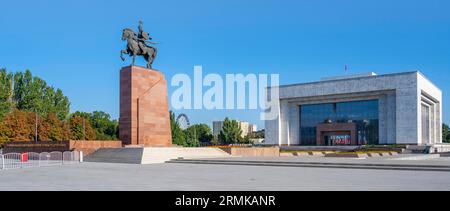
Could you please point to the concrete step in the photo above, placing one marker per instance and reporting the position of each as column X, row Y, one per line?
column 161, row 155
column 121, row 155
column 150, row 155
column 374, row 166
column 445, row 154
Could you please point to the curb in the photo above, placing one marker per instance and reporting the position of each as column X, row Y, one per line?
column 368, row 166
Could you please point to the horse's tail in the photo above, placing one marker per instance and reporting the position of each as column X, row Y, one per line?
column 150, row 57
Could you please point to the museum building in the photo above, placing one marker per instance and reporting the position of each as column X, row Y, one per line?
column 364, row 109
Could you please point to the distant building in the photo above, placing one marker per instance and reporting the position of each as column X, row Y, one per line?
column 217, row 127
column 246, row 128
column 253, row 128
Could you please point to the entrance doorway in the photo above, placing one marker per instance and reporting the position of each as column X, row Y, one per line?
column 339, row 138
column 336, row 134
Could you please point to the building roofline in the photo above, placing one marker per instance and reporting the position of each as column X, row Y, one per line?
column 357, row 78
column 426, row 78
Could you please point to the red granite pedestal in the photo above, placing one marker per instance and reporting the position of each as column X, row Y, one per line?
column 144, row 108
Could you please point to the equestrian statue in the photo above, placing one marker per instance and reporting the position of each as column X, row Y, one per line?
column 139, row 45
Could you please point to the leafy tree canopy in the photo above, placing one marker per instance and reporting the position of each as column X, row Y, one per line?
column 445, row 133
column 105, row 128
column 6, row 80
column 81, row 128
column 231, row 132
column 27, row 93
column 202, row 131
column 27, row 101
column 178, row 136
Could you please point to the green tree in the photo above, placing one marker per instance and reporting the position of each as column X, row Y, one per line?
column 246, row 140
column 215, row 141
column 178, row 136
column 81, row 128
column 27, row 97
column 105, row 127
column 55, row 102
column 231, row 132
column 203, row 132
column 445, row 133
column 198, row 134
column 83, row 114
column 6, row 80
column 191, row 137
column 33, row 94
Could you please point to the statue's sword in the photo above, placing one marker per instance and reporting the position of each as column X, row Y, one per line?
column 153, row 43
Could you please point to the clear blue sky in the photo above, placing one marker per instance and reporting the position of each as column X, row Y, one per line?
column 74, row 45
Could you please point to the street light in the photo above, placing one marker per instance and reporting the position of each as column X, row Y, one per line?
column 35, row 126
column 84, row 129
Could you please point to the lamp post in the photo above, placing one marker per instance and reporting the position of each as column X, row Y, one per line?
column 35, row 127
column 84, row 129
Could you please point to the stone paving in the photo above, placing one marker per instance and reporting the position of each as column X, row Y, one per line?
column 197, row 177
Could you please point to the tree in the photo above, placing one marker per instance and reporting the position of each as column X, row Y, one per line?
column 246, row 140
column 17, row 126
column 81, row 128
column 66, row 132
column 256, row 135
column 215, row 141
column 203, row 133
column 31, row 97
column 192, row 138
column 5, row 92
column 445, row 133
column 231, row 132
column 33, row 94
column 52, row 129
column 105, row 127
column 83, row 114
column 178, row 136
column 55, row 102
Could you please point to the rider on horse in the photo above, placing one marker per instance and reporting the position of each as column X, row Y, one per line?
column 139, row 45
column 142, row 38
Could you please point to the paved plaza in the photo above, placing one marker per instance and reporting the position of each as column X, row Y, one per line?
column 193, row 177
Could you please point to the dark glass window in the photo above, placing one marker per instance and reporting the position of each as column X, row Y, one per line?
column 363, row 113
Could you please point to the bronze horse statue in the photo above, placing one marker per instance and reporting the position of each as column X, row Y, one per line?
column 135, row 48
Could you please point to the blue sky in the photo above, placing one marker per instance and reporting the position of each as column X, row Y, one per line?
column 74, row 45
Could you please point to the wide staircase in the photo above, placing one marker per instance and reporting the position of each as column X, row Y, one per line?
column 119, row 155
column 150, row 155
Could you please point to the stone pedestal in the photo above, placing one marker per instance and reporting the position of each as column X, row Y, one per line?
column 144, row 108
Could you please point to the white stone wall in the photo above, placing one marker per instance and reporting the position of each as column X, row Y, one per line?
column 427, row 90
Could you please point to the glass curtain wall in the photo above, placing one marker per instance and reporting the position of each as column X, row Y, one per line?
column 363, row 113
